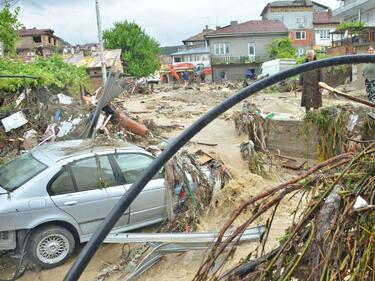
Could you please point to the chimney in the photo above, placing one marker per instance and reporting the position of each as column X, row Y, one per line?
column 206, row 28
column 217, row 27
column 233, row 22
column 329, row 12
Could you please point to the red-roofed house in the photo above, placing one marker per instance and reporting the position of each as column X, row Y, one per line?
column 324, row 23
column 240, row 46
column 38, row 41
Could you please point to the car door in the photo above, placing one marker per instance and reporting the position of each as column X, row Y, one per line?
column 150, row 203
column 87, row 190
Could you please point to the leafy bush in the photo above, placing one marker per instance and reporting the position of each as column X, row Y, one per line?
column 281, row 48
column 352, row 27
column 51, row 72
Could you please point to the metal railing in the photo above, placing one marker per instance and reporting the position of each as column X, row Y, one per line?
column 238, row 60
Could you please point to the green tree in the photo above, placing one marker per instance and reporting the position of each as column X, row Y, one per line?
column 352, row 27
column 139, row 50
column 281, row 48
column 8, row 25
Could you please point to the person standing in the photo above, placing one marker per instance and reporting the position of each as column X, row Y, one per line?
column 186, row 78
column 369, row 74
column 311, row 92
column 202, row 76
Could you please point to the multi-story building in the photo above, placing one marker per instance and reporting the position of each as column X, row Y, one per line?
column 241, row 46
column 195, row 49
column 353, row 11
column 35, row 41
column 357, row 10
column 324, row 26
column 298, row 17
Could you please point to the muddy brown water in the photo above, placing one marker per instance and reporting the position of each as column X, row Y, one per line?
column 185, row 109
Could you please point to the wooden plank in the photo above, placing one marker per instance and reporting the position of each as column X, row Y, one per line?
column 341, row 94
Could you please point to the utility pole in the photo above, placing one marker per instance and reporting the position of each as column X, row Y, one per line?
column 104, row 69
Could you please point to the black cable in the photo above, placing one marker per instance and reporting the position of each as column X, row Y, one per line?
column 91, row 247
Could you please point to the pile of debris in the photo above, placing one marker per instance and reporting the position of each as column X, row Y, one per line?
column 191, row 179
column 331, row 236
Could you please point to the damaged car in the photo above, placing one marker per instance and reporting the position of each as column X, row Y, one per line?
column 58, row 194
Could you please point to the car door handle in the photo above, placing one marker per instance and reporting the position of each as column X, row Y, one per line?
column 70, row 203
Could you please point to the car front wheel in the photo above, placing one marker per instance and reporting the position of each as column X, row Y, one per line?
column 51, row 246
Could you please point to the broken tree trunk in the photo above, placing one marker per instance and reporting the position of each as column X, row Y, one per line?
column 325, row 224
column 341, row 94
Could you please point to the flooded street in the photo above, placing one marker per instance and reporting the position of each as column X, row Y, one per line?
column 181, row 108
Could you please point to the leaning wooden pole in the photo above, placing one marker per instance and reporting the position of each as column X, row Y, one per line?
column 341, row 94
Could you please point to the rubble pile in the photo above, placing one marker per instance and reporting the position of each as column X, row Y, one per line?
column 254, row 151
column 339, row 129
column 331, row 235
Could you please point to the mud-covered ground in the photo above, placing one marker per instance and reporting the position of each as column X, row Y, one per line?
column 178, row 109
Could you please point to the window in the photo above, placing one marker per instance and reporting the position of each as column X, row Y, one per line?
column 301, row 52
column 37, row 39
column 62, row 184
column 251, row 49
column 54, row 41
column 197, row 58
column 93, row 173
column 324, row 34
column 18, row 171
column 300, row 35
column 132, row 166
column 221, row 49
column 49, row 39
column 177, row 59
column 301, row 20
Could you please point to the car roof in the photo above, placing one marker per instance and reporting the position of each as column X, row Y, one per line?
column 53, row 152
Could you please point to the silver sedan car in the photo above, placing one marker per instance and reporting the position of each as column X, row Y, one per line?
column 62, row 191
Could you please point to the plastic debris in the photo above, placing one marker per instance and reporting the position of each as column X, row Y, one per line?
column 14, row 121
column 360, row 203
column 64, row 99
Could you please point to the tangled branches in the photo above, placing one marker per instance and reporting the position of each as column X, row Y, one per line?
column 328, row 239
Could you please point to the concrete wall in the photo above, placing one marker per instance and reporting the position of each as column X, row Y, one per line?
column 289, row 16
column 27, row 42
column 238, row 46
column 232, row 71
column 286, row 137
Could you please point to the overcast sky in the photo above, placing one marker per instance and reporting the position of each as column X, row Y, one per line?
column 168, row 21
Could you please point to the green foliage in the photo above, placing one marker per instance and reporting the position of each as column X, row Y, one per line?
column 8, row 24
column 281, row 48
column 352, row 27
column 139, row 50
column 51, row 72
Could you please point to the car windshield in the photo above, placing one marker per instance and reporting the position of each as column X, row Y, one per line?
column 18, row 171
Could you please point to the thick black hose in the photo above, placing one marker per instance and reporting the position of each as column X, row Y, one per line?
column 89, row 250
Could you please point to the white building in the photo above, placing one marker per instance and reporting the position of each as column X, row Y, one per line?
column 357, row 10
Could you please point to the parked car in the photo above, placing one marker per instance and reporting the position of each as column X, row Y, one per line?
column 61, row 192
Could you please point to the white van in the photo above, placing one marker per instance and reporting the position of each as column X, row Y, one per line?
column 275, row 66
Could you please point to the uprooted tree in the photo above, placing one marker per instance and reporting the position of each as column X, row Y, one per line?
column 8, row 25
column 139, row 50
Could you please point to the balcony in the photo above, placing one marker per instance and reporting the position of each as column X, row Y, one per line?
column 350, row 8
column 348, row 45
column 217, row 60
